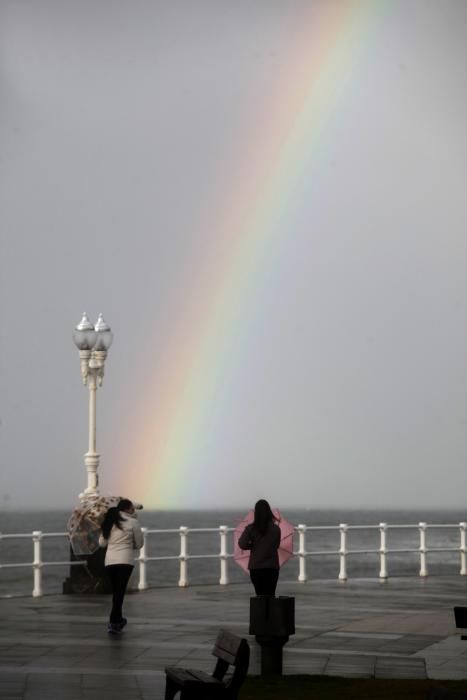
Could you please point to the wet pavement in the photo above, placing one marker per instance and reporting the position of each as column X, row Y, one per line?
column 58, row 646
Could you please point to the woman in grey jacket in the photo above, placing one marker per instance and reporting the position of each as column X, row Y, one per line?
column 262, row 537
column 122, row 536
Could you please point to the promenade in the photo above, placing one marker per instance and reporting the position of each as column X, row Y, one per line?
column 57, row 646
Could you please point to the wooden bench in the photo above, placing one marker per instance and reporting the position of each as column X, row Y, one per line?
column 229, row 650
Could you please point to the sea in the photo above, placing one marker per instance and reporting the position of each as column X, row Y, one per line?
column 19, row 580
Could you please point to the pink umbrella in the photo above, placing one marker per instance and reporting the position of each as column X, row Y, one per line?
column 285, row 551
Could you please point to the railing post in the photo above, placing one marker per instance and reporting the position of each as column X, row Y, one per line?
column 463, row 549
column 383, row 571
column 143, row 582
column 423, row 550
column 37, row 563
column 343, row 552
column 224, row 578
column 183, row 581
column 302, row 553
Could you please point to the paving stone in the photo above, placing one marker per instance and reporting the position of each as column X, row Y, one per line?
column 59, row 643
column 371, row 637
column 362, row 645
column 387, row 667
column 108, row 679
column 351, row 666
column 312, row 665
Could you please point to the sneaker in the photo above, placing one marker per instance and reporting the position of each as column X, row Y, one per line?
column 113, row 629
column 122, row 623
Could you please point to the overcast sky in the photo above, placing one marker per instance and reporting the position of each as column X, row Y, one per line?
column 127, row 132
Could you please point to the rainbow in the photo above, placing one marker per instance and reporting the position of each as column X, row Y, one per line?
column 280, row 156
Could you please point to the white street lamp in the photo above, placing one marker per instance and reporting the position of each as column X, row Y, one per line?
column 93, row 343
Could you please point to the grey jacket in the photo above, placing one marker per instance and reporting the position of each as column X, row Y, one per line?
column 263, row 548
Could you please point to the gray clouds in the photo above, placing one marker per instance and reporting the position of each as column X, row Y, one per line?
column 122, row 127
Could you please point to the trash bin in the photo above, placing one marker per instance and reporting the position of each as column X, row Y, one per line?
column 272, row 621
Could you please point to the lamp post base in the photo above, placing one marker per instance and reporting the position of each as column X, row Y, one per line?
column 90, row 577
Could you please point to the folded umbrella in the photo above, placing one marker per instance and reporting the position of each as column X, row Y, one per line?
column 84, row 525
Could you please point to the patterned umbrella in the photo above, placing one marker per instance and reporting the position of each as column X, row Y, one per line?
column 84, row 525
column 285, row 551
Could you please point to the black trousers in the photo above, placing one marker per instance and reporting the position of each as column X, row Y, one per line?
column 264, row 580
column 119, row 575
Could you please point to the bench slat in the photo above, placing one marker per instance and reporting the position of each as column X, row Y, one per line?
column 190, row 676
column 227, row 646
column 181, row 675
column 224, row 655
column 205, row 678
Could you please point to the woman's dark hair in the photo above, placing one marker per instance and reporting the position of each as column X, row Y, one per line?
column 113, row 517
column 263, row 516
column 124, row 504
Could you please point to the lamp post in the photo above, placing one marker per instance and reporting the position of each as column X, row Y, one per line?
column 93, row 343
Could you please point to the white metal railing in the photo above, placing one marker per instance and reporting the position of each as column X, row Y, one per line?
column 37, row 563
column 302, row 554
